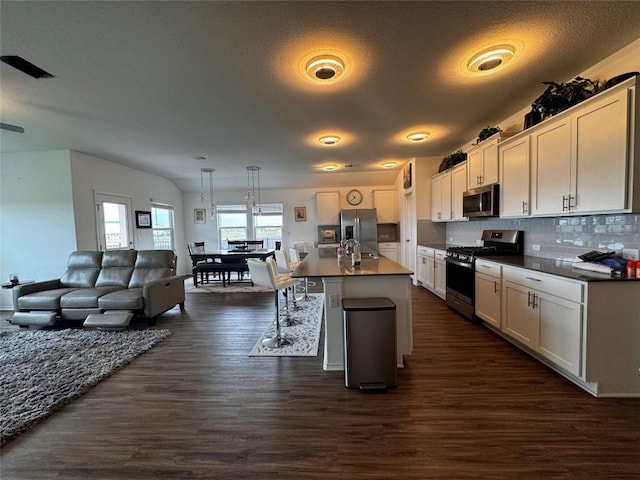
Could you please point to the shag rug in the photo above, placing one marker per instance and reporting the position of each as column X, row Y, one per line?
column 42, row 370
column 304, row 335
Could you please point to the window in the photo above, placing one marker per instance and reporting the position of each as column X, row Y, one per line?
column 163, row 227
column 114, row 222
column 236, row 222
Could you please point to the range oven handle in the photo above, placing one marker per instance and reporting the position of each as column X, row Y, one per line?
column 460, row 264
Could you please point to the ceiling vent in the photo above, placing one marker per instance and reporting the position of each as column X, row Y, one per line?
column 25, row 66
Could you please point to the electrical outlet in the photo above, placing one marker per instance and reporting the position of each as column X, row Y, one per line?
column 535, row 248
column 631, row 254
column 334, row 300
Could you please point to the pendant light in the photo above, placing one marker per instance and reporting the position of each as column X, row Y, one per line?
column 252, row 173
column 212, row 202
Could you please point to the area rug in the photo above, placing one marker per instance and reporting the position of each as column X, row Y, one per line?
column 40, row 371
column 304, row 334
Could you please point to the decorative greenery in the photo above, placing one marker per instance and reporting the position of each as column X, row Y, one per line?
column 486, row 133
column 560, row 96
column 452, row 159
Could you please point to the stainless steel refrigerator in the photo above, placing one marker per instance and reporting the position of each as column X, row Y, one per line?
column 360, row 224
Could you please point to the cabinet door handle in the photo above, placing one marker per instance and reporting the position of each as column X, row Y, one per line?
column 534, row 303
column 565, row 203
column 495, row 287
column 533, row 279
column 570, row 205
column 528, row 299
column 524, row 207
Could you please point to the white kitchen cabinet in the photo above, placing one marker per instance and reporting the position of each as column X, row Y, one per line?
column 482, row 162
column 440, row 274
column 544, row 313
column 432, row 273
column 514, row 172
column 441, row 197
column 488, row 302
column 389, row 250
column 384, row 201
column 421, row 264
column 551, row 167
column 581, row 160
column 328, row 206
column 458, row 187
column 600, row 141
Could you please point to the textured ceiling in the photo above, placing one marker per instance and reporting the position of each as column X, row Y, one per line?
column 154, row 85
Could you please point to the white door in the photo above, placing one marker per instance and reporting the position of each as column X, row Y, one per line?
column 408, row 227
column 114, row 222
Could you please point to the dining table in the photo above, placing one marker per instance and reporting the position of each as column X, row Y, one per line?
column 227, row 261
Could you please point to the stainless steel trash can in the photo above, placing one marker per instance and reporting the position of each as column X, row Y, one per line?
column 369, row 343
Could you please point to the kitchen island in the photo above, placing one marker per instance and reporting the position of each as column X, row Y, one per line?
column 376, row 277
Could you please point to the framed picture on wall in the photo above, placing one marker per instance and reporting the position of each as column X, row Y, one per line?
column 199, row 215
column 406, row 175
column 143, row 219
column 301, row 214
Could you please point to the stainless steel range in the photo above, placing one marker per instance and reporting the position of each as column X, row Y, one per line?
column 460, row 262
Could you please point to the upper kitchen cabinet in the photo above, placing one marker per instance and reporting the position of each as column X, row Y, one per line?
column 384, row 201
column 482, row 161
column 441, row 197
column 514, row 172
column 328, row 205
column 458, row 187
column 582, row 160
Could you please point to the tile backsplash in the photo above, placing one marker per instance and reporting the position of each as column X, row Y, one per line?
column 559, row 237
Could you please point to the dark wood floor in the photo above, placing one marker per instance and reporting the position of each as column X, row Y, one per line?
column 468, row 406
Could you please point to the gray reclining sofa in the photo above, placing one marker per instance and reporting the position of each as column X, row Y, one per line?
column 141, row 282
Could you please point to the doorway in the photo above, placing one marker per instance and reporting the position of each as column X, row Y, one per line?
column 114, row 222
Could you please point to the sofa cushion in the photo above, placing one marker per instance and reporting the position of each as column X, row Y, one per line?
column 85, row 297
column 82, row 270
column 152, row 265
column 45, row 300
column 128, row 299
column 117, row 268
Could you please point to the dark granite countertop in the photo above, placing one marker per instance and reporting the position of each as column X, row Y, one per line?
column 323, row 262
column 556, row 267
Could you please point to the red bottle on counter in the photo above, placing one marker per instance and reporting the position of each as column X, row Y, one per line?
column 638, row 269
column 631, row 268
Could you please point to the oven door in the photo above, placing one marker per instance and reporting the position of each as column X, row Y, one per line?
column 460, row 287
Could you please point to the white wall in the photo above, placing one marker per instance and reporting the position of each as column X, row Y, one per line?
column 47, row 210
column 37, row 225
column 291, row 198
column 93, row 175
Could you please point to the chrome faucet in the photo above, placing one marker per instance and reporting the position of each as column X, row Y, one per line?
column 349, row 245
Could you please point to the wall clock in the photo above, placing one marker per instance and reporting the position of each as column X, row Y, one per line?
column 354, row 197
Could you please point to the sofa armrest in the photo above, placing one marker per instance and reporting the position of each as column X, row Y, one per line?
column 28, row 288
column 163, row 294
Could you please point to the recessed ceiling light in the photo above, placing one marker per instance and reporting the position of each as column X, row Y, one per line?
column 330, row 168
column 329, row 140
column 418, row 136
column 389, row 164
column 325, row 68
column 491, row 59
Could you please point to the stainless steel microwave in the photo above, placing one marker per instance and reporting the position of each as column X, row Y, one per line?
column 481, row 202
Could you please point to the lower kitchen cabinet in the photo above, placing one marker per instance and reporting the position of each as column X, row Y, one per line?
column 431, row 271
column 488, row 302
column 440, row 273
column 546, row 318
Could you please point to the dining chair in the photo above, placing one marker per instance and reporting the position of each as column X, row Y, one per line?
column 203, row 267
column 263, row 273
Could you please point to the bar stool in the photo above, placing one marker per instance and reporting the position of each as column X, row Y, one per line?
column 264, row 274
column 294, row 258
column 285, row 267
